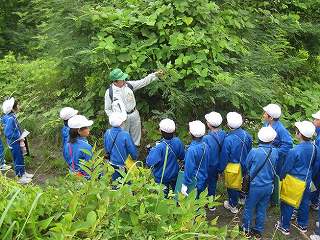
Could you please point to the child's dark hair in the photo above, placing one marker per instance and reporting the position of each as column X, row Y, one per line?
column 195, row 138
column 305, row 138
column 167, row 136
column 73, row 135
column 65, row 122
column 15, row 105
column 260, row 142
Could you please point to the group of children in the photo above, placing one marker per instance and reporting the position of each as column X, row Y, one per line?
column 208, row 156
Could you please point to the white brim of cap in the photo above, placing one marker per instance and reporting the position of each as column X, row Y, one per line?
column 89, row 123
column 316, row 116
column 299, row 125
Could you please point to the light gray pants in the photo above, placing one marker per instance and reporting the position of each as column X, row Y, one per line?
column 133, row 126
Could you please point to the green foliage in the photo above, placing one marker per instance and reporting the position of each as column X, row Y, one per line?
column 74, row 208
column 222, row 55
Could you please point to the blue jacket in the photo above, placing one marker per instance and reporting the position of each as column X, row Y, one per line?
column 11, row 128
column 298, row 161
column 122, row 147
column 316, row 175
column 215, row 142
column 283, row 140
column 156, row 158
column 65, row 135
column 196, row 164
column 236, row 141
column 255, row 159
column 318, row 137
column 65, row 139
column 76, row 152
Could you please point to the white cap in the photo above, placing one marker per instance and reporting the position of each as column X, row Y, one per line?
column 306, row 128
column 214, row 119
column 197, row 128
column 7, row 105
column 267, row 134
column 79, row 121
column 167, row 125
column 67, row 113
column 316, row 115
column 273, row 110
column 117, row 118
column 234, row 120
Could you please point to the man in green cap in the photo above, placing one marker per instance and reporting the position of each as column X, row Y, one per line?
column 120, row 98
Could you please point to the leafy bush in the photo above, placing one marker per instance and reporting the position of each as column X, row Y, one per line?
column 222, row 55
column 73, row 208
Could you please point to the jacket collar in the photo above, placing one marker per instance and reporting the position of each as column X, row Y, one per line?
column 267, row 145
column 236, row 131
column 195, row 142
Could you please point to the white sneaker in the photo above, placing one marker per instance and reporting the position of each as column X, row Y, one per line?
column 5, row 167
column 24, row 180
column 315, row 237
column 28, row 175
column 233, row 210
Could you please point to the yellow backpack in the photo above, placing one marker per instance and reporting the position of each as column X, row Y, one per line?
column 233, row 176
column 292, row 188
column 233, row 172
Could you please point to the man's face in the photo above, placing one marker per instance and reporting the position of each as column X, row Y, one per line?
column 119, row 83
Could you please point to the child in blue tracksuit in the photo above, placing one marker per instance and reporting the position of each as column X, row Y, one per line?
column 118, row 144
column 302, row 162
column 78, row 148
column 260, row 165
column 165, row 171
column 214, row 139
column 3, row 165
column 196, row 160
column 65, row 114
column 235, row 149
column 283, row 141
column 12, row 132
column 315, row 195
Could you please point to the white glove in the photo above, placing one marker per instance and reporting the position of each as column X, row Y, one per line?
column 184, row 190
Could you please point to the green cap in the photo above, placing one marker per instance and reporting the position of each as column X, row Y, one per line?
column 117, row 74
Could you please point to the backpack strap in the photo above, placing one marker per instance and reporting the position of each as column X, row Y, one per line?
column 129, row 85
column 111, row 90
column 165, row 162
column 311, row 160
column 261, row 166
column 202, row 156
column 243, row 143
column 170, row 147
